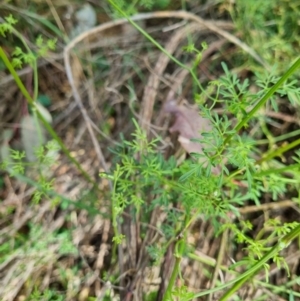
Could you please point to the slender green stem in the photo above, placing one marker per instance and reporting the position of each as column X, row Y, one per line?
column 35, row 81
column 113, row 209
column 279, row 138
column 291, row 236
column 246, row 275
column 34, row 65
column 279, row 289
column 271, row 91
column 178, row 255
column 15, row 76
column 162, row 49
column 279, row 151
column 265, row 98
column 45, row 123
column 281, row 245
column 240, row 280
column 212, row 262
column 277, row 170
column 179, row 250
column 142, row 31
column 261, row 102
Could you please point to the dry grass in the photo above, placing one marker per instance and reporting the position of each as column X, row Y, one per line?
column 96, row 84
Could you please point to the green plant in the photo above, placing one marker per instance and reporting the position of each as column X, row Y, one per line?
column 144, row 180
column 132, row 7
column 270, row 27
column 231, row 172
column 49, row 295
column 29, row 57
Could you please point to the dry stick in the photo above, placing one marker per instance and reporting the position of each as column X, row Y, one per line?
column 219, row 261
column 9, row 292
column 56, row 16
column 270, row 206
column 282, row 116
column 150, row 238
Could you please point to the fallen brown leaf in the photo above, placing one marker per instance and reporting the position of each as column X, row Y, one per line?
column 189, row 124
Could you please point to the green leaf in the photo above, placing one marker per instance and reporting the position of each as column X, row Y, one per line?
column 39, row 41
column 11, row 20
column 51, row 43
column 17, row 63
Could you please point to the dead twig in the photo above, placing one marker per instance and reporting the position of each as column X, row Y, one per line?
column 269, row 206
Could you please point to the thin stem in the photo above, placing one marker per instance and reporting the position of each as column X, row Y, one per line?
column 279, row 151
column 240, row 280
column 288, row 168
column 162, row 49
column 45, row 123
column 15, row 76
column 211, row 262
column 178, row 255
column 278, row 138
column 219, row 260
column 264, row 99
column 34, row 66
column 35, row 81
column 114, row 214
